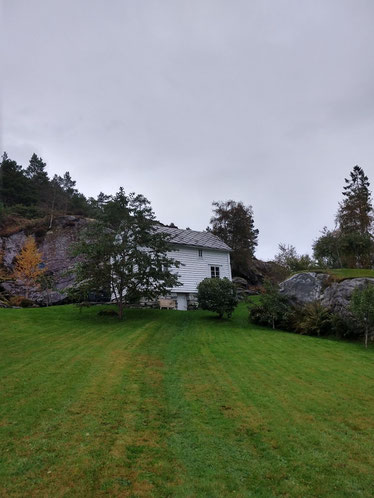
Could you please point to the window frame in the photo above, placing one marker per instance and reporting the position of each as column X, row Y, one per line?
column 215, row 271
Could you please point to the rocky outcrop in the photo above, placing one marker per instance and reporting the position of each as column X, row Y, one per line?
column 256, row 271
column 338, row 295
column 304, row 288
column 243, row 289
column 54, row 244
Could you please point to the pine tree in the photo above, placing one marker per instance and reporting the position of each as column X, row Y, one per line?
column 355, row 213
column 36, row 170
column 38, row 180
column 355, row 218
column 14, row 185
column 68, row 185
column 124, row 254
column 28, row 265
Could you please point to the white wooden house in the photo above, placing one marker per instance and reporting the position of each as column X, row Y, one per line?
column 202, row 255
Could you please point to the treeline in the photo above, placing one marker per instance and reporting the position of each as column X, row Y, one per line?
column 350, row 244
column 29, row 192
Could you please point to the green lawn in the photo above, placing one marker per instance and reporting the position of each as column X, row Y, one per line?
column 179, row 404
column 343, row 273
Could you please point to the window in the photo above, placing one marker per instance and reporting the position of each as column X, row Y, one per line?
column 214, row 271
column 200, row 253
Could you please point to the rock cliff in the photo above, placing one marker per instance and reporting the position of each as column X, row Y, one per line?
column 54, row 244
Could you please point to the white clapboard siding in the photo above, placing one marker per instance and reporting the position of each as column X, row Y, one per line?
column 195, row 268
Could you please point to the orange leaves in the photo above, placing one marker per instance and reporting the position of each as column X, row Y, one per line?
column 27, row 268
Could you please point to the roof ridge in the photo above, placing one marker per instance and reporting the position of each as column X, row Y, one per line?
column 194, row 238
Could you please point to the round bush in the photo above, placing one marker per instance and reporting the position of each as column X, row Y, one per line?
column 218, row 295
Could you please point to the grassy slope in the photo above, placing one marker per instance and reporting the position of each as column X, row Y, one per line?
column 180, row 404
column 343, row 273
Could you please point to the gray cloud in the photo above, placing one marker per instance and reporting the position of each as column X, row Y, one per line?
column 269, row 102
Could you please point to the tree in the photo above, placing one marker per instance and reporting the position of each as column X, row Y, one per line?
column 362, row 308
column 355, row 213
column 272, row 308
column 288, row 258
column 14, row 185
column 38, row 179
column 351, row 243
column 327, row 249
column 124, row 254
column 217, row 295
column 355, row 218
column 36, row 170
column 28, row 265
column 47, row 285
column 233, row 223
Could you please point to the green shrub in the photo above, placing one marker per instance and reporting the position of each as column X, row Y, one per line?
column 272, row 309
column 344, row 326
column 362, row 308
column 21, row 302
column 218, row 295
column 311, row 319
column 30, row 212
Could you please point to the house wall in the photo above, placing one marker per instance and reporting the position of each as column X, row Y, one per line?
column 194, row 268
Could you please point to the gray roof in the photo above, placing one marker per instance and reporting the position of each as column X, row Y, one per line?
column 193, row 238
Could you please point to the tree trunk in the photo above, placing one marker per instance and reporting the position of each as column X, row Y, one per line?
column 366, row 336
column 52, row 209
column 120, row 309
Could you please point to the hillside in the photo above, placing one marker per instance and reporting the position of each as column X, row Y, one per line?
column 180, row 404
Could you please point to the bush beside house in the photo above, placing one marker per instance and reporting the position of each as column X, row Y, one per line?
column 217, row 295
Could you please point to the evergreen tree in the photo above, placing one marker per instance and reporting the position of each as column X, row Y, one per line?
column 123, row 254
column 355, row 214
column 68, row 187
column 233, row 223
column 350, row 245
column 36, row 170
column 14, row 185
column 38, row 180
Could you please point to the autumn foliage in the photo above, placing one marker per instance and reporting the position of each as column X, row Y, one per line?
column 27, row 268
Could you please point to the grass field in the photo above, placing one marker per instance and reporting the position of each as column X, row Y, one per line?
column 180, row 404
column 344, row 273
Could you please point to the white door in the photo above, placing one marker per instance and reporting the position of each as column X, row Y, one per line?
column 182, row 302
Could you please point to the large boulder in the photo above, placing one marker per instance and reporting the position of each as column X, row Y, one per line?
column 305, row 287
column 337, row 296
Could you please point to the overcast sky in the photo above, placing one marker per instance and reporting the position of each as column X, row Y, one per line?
column 270, row 102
